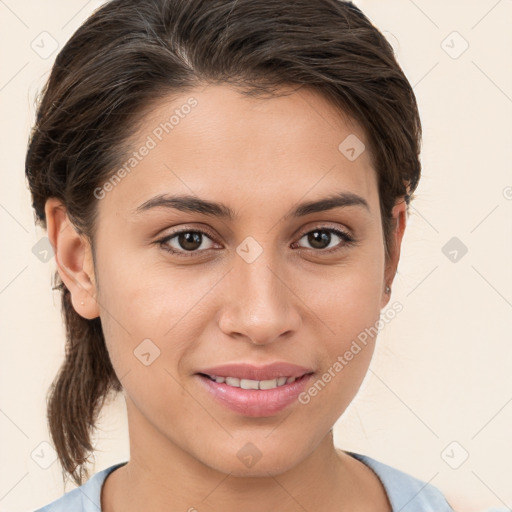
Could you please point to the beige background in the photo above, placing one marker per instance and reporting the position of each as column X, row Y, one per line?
column 442, row 370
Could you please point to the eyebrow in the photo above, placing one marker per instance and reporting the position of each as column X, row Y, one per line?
column 188, row 203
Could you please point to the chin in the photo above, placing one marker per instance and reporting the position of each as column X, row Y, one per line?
column 250, row 462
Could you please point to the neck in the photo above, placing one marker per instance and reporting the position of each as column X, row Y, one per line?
column 161, row 476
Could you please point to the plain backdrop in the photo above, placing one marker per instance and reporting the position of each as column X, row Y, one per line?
column 436, row 402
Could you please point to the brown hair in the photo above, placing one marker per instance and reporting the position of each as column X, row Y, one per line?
column 129, row 54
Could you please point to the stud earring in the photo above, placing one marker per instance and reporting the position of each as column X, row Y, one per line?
column 388, row 289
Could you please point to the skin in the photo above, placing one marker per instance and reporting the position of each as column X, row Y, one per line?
column 260, row 157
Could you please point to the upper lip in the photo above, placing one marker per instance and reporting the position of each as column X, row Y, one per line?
column 249, row 371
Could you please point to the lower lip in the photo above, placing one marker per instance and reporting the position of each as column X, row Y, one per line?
column 256, row 402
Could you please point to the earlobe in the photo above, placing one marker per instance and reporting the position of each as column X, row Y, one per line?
column 73, row 259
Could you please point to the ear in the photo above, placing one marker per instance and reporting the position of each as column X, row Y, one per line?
column 399, row 214
column 73, row 256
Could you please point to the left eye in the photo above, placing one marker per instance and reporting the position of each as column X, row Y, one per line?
column 318, row 237
column 190, row 241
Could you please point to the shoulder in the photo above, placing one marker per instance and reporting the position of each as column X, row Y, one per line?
column 86, row 498
column 405, row 492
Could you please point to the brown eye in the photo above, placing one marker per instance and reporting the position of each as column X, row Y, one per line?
column 185, row 241
column 191, row 242
column 322, row 239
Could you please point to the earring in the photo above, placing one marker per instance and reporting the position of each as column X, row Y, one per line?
column 388, row 289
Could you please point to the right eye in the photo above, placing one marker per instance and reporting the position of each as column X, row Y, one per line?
column 185, row 243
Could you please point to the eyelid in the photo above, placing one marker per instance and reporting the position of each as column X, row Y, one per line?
column 320, row 225
column 184, row 228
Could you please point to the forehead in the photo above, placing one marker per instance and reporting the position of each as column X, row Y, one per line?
column 214, row 141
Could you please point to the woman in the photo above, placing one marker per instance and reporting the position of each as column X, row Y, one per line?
column 225, row 185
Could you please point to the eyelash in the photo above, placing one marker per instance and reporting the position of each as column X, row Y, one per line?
column 348, row 241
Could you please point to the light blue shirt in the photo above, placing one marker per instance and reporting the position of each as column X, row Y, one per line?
column 405, row 493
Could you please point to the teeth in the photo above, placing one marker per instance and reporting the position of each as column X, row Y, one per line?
column 249, row 384
column 271, row 384
column 253, row 384
column 281, row 381
column 233, row 381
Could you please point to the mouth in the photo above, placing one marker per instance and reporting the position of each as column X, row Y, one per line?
column 254, row 398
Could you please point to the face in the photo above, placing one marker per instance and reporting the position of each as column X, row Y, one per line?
column 180, row 288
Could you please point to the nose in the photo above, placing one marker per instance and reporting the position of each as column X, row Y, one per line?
column 259, row 304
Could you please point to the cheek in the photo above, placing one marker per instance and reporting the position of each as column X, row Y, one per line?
column 350, row 314
column 345, row 306
column 345, row 299
column 144, row 301
column 139, row 294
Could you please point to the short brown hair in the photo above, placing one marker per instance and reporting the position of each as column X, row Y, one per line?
column 130, row 53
